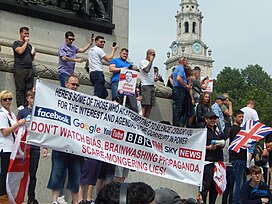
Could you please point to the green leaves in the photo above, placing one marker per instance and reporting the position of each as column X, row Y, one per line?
column 251, row 83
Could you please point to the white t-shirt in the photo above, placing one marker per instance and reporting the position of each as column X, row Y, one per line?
column 6, row 142
column 95, row 56
column 146, row 78
column 249, row 114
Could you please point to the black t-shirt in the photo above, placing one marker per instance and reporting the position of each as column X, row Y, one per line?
column 24, row 60
column 217, row 154
column 242, row 155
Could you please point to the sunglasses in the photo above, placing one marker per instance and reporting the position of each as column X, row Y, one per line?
column 74, row 84
column 213, row 118
column 7, row 99
column 102, row 41
column 71, row 39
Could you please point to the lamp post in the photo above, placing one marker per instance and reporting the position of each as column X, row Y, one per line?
column 168, row 54
column 209, row 52
column 182, row 50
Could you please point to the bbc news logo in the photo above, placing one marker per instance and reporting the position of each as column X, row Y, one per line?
column 138, row 139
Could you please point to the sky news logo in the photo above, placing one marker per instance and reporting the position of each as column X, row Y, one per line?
column 52, row 115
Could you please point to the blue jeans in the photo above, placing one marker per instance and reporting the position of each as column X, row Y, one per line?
column 114, row 90
column 178, row 100
column 239, row 170
column 98, row 80
column 61, row 162
column 63, row 78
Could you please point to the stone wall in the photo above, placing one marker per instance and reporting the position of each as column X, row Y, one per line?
column 46, row 36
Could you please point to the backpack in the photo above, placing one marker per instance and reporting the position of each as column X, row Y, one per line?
column 258, row 157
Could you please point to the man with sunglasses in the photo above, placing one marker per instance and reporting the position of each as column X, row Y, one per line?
column 67, row 56
column 147, row 82
column 62, row 162
column 95, row 56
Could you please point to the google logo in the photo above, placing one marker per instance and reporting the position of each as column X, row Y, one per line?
column 90, row 128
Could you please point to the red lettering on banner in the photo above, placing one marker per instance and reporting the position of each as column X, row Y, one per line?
column 117, row 134
column 186, row 166
column 43, row 128
column 92, row 151
column 157, row 145
column 189, row 153
column 157, row 169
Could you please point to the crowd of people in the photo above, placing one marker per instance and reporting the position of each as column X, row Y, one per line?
column 191, row 108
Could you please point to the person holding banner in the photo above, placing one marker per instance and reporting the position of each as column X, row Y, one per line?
column 95, row 56
column 34, row 150
column 214, row 154
column 67, row 56
column 115, row 67
column 61, row 162
column 8, row 126
column 147, row 82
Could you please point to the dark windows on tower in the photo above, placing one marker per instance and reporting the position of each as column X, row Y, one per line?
column 186, row 25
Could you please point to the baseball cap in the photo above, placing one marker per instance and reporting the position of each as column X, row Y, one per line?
column 210, row 114
column 167, row 196
column 222, row 97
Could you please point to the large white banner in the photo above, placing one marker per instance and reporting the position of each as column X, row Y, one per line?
column 85, row 125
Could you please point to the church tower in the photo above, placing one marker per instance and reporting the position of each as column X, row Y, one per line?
column 188, row 41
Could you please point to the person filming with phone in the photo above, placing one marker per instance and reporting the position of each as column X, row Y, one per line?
column 95, row 56
column 67, row 56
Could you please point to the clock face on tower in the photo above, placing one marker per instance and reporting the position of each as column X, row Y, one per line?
column 175, row 49
column 197, row 48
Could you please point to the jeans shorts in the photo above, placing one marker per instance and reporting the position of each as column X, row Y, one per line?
column 61, row 162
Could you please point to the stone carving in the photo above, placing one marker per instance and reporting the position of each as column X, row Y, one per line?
column 91, row 9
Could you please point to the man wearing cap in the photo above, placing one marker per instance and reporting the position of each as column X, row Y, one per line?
column 216, row 108
column 214, row 153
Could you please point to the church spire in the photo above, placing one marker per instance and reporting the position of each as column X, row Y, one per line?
column 189, row 21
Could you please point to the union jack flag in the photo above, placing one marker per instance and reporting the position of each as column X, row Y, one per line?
column 251, row 132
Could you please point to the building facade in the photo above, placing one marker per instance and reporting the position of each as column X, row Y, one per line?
column 188, row 41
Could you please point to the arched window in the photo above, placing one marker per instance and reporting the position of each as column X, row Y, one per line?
column 186, row 25
column 194, row 27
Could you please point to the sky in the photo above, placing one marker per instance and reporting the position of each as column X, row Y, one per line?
column 238, row 32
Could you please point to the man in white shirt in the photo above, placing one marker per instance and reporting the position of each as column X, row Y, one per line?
column 147, row 82
column 249, row 112
column 95, row 56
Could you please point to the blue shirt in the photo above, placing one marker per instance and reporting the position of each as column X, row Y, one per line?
column 68, row 51
column 119, row 63
column 217, row 110
column 179, row 71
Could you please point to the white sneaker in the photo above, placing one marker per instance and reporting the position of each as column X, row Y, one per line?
column 20, row 108
column 54, row 202
column 61, row 200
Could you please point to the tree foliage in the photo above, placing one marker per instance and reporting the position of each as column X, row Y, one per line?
column 251, row 83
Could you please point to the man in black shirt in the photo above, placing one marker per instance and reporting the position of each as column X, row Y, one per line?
column 238, row 160
column 23, row 73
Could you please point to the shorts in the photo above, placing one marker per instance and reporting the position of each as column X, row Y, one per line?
column 61, row 162
column 90, row 172
column 148, row 95
column 121, row 172
column 107, row 172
